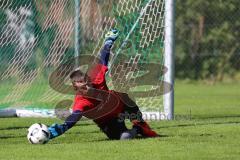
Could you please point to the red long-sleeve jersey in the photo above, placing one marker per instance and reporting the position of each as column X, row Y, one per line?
column 102, row 105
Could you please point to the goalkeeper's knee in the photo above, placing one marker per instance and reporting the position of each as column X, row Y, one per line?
column 129, row 134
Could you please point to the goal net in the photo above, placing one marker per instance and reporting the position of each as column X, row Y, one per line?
column 38, row 36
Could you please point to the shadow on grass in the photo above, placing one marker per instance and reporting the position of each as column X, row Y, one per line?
column 8, row 137
column 14, row 128
column 214, row 117
column 26, row 127
column 202, row 117
column 84, row 132
column 198, row 124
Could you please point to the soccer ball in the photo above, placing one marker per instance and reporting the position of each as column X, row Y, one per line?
column 38, row 134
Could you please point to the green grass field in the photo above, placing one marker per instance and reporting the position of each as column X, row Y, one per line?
column 207, row 126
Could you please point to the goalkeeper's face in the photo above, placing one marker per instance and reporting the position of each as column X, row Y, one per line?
column 81, row 86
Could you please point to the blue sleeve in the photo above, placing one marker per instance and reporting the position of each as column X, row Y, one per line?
column 72, row 119
column 57, row 130
column 104, row 54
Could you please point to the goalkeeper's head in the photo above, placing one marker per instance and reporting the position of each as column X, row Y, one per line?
column 80, row 81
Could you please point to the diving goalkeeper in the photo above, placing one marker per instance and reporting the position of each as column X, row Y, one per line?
column 109, row 114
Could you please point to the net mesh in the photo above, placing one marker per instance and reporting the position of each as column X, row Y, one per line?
column 37, row 36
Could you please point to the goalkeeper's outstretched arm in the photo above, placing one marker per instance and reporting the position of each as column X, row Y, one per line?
column 110, row 38
column 58, row 129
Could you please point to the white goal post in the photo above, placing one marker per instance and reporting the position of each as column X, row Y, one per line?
column 169, row 54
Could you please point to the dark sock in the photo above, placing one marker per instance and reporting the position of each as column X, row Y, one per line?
column 138, row 129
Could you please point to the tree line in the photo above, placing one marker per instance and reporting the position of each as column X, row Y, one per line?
column 207, row 39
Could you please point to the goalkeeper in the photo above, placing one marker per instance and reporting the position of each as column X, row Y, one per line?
column 108, row 109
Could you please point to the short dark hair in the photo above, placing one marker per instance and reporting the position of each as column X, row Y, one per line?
column 77, row 74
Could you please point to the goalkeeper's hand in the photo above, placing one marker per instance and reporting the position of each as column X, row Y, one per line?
column 56, row 130
column 111, row 36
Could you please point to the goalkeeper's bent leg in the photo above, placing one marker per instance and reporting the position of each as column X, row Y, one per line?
column 134, row 114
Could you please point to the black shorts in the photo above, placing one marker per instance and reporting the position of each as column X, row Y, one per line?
column 113, row 128
column 116, row 126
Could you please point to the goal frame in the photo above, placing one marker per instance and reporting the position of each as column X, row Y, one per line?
column 169, row 45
